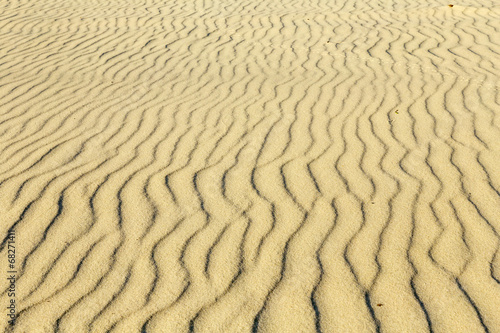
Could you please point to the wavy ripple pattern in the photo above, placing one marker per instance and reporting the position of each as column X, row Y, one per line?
column 251, row 166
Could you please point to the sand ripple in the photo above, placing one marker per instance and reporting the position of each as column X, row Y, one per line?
column 251, row 166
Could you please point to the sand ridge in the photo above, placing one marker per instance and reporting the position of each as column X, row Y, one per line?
column 242, row 166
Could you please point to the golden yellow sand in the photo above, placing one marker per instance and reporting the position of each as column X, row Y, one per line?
column 250, row 166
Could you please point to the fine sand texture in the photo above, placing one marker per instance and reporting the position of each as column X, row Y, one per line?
column 283, row 166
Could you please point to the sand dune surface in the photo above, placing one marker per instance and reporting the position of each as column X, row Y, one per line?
column 250, row 166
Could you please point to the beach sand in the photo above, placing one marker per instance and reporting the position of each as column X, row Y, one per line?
column 250, row 166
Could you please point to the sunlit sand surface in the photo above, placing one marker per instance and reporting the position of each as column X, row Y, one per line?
column 251, row 166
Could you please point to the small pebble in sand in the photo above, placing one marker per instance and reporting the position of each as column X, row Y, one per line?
column 450, row 6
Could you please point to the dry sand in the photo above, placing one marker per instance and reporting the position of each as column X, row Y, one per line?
column 251, row 166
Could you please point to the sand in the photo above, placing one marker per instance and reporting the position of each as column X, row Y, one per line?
column 250, row 166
